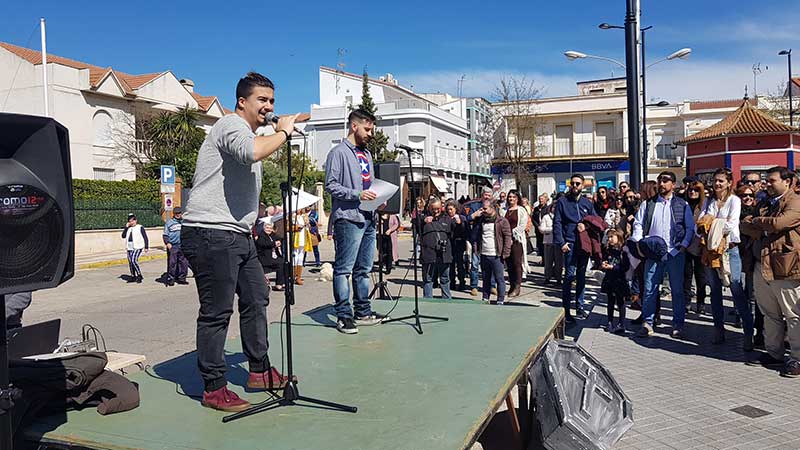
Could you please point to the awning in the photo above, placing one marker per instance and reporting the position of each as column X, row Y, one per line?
column 440, row 183
column 476, row 174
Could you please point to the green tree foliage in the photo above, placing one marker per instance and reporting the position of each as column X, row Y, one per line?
column 175, row 140
column 379, row 143
column 274, row 173
column 106, row 204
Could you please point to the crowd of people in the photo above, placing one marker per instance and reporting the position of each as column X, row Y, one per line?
column 694, row 238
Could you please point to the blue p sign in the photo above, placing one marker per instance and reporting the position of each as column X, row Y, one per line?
column 167, row 174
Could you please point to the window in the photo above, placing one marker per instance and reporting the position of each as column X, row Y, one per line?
column 101, row 126
column 604, row 137
column 596, row 91
column 563, row 140
column 621, row 89
column 104, row 174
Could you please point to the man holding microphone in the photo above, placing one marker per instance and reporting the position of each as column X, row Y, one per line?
column 217, row 241
column 348, row 177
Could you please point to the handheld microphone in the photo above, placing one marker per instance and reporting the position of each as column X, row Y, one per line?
column 400, row 146
column 272, row 117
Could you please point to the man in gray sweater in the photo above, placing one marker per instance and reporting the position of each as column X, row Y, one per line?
column 348, row 177
column 217, row 241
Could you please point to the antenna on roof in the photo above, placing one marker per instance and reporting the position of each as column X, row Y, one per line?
column 340, row 52
column 757, row 71
column 745, row 92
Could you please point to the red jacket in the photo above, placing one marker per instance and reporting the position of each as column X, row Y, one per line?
column 591, row 239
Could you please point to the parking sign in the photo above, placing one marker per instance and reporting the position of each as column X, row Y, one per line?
column 167, row 174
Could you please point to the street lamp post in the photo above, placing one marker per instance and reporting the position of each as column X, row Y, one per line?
column 632, row 80
column 788, row 54
column 680, row 54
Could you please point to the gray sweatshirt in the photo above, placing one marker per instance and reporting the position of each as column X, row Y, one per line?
column 344, row 180
column 227, row 180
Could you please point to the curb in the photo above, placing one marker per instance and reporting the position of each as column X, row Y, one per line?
column 118, row 262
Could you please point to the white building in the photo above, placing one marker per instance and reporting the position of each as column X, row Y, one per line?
column 587, row 134
column 484, row 125
column 405, row 117
column 98, row 105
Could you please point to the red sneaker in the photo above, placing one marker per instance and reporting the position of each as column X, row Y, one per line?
column 224, row 400
column 269, row 380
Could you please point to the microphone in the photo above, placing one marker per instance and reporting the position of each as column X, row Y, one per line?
column 400, row 146
column 272, row 117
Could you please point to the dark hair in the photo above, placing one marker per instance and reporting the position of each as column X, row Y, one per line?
column 245, row 86
column 669, row 174
column 728, row 176
column 516, row 193
column 648, row 190
column 360, row 115
column 577, row 175
column 785, row 173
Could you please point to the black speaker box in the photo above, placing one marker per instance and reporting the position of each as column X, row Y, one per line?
column 390, row 172
column 37, row 227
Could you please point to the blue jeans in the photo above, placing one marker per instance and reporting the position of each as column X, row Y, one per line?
column 575, row 263
column 653, row 277
column 740, row 299
column 474, row 268
column 355, row 250
column 492, row 267
column 439, row 272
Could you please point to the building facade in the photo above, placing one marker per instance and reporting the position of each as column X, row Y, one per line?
column 441, row 166
column 587, row 134
column 100, row 106
column 747, row 140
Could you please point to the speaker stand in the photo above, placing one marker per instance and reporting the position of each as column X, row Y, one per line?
column 381, row 288
column 7, row 393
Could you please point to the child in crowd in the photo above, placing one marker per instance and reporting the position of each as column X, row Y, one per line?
column 615, row 264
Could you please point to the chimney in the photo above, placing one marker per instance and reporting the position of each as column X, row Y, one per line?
column 188, row 84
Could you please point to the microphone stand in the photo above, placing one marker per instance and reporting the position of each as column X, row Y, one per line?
column 415, row 315
column 291, row 393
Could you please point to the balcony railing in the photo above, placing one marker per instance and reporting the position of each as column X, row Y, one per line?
column 143, row 146
column 582, row 147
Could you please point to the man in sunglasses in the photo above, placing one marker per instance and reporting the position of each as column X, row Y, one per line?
column 570, row 211
column 753, row 179
column 669, row 217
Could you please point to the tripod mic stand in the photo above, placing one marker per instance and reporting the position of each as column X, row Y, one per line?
column 415, row 315
column 381, row 287
column 291, row 393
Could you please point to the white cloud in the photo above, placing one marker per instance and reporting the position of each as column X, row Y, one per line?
column 704, row 80
column 673, row 81
column 482, row 82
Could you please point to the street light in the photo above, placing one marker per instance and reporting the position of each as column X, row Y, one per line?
column 680, row 54
column 788, row 54
column 572, row 55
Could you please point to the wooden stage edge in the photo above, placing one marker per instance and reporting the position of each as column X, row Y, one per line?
column 437, row 391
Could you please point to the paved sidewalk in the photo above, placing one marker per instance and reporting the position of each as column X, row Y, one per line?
column 683, row 390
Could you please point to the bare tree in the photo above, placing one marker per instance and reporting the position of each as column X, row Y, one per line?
column 776, row 103
column 127, row 135
column 515, row 99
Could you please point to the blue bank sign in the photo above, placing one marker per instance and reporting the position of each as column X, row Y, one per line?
column 572, row 167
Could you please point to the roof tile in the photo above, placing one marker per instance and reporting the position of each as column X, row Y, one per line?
column 747, row 120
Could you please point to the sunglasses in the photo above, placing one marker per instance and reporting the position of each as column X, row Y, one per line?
column 694, row 190
column 748, row 196
column 665, row 180
column 752, row 182
column 577, row 184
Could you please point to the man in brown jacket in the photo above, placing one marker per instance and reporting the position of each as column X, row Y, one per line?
column 491, row 235
column 776, row 232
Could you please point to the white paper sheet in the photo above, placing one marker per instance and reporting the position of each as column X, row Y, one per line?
column 383, row 190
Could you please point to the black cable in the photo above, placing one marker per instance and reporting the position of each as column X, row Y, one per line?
column 400, row 291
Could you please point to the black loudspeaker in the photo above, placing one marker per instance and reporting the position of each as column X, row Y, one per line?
column 37, row 225
column 578, row 404
column 390, row 172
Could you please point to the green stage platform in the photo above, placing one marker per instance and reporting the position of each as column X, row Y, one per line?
column 413, row 392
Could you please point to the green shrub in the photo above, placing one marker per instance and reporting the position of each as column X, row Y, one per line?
column 106, row 204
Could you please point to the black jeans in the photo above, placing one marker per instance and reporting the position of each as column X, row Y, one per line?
column 458, row 268
column 225, row 263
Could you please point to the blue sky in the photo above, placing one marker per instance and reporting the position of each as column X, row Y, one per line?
column 426, row 44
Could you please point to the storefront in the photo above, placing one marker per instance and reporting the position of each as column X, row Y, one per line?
column 553, row 177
